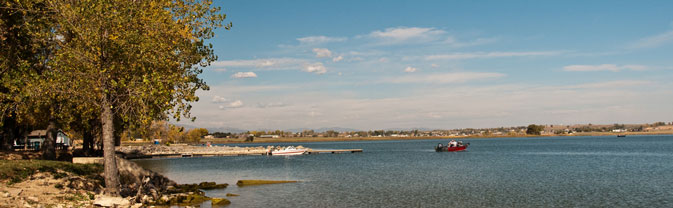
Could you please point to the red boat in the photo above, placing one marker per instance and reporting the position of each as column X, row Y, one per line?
column 442, row 148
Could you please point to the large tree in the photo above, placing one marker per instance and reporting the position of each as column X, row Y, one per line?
column 133, row 60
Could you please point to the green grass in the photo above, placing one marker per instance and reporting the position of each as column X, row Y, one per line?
column 16, row 171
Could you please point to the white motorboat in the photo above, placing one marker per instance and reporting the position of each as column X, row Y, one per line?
column 289, row 151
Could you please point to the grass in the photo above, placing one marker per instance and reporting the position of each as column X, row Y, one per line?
column 16, row 171
column 78, row 197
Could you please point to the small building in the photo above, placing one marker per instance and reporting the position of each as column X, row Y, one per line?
column 37, row 137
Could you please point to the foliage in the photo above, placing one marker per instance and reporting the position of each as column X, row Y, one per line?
column 222, row 134
column 141, row 57
column 26, row 45
column 534, row 129
column 162, row 130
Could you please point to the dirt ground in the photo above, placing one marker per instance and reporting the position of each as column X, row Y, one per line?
column 42, row 190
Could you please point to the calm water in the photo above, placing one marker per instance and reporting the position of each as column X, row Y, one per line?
column 636, row 171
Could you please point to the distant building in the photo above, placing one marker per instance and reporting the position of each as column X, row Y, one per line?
column 269, row 136
column 37, row 137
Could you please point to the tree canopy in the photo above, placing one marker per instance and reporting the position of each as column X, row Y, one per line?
column 534, row 129
column 114, row 64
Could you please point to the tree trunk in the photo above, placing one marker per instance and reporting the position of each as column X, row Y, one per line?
column 111, row 172
column 87, row 142
column 25, row 140
column 7, row 137
column 49, row 145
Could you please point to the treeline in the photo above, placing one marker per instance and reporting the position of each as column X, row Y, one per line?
column 165, row 132
column 98, row 68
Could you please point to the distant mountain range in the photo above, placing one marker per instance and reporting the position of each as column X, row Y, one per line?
column 226, row 129
column 409, row 129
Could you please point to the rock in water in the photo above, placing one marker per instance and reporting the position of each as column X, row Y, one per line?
column 219, row 201
column 212, row 185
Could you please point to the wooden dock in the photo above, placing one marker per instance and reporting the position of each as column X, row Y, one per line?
column 334, row 151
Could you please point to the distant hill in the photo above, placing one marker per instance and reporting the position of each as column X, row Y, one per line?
column 409, row 129
column 225, row 129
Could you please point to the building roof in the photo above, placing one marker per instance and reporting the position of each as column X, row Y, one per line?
column 38, row 133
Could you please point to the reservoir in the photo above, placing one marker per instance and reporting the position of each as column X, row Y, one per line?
column 605, row 171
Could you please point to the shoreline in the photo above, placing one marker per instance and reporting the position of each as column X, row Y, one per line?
column 344, row 139
column 46, row 183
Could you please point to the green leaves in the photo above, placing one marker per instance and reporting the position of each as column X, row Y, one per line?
column 61, row 58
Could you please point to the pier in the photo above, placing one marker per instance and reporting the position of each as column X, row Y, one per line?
column 196, row 151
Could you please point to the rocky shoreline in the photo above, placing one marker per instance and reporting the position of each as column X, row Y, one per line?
column 53, row 187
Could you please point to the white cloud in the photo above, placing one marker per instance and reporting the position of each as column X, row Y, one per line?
column 337, row 59
column 310, row 40
column 224, row 103
column 454, row 106
column 407, row 34
column 317, row 68
column 271, row 105
column 452, row 42
column 239, row 75
column 314, row 113
column 322, row 52
column 474, row 55
column 218, row 99
column 654, row 41
column 271, row 63
column 456, row 77
column 620, row 84
column 235, row 104
column 604, row 67
column 410, row 69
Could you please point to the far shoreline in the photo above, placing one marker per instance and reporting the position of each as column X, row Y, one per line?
column 344, row 139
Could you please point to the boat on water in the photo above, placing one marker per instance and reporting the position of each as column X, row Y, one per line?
column 289, row 151
column 443, row 148
column 621, row 135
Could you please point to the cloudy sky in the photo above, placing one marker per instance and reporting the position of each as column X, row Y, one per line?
column 439, row 64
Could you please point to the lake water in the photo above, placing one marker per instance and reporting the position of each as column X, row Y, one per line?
column 636, row 171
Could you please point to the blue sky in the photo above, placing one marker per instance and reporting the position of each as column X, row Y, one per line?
column 439, row 64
